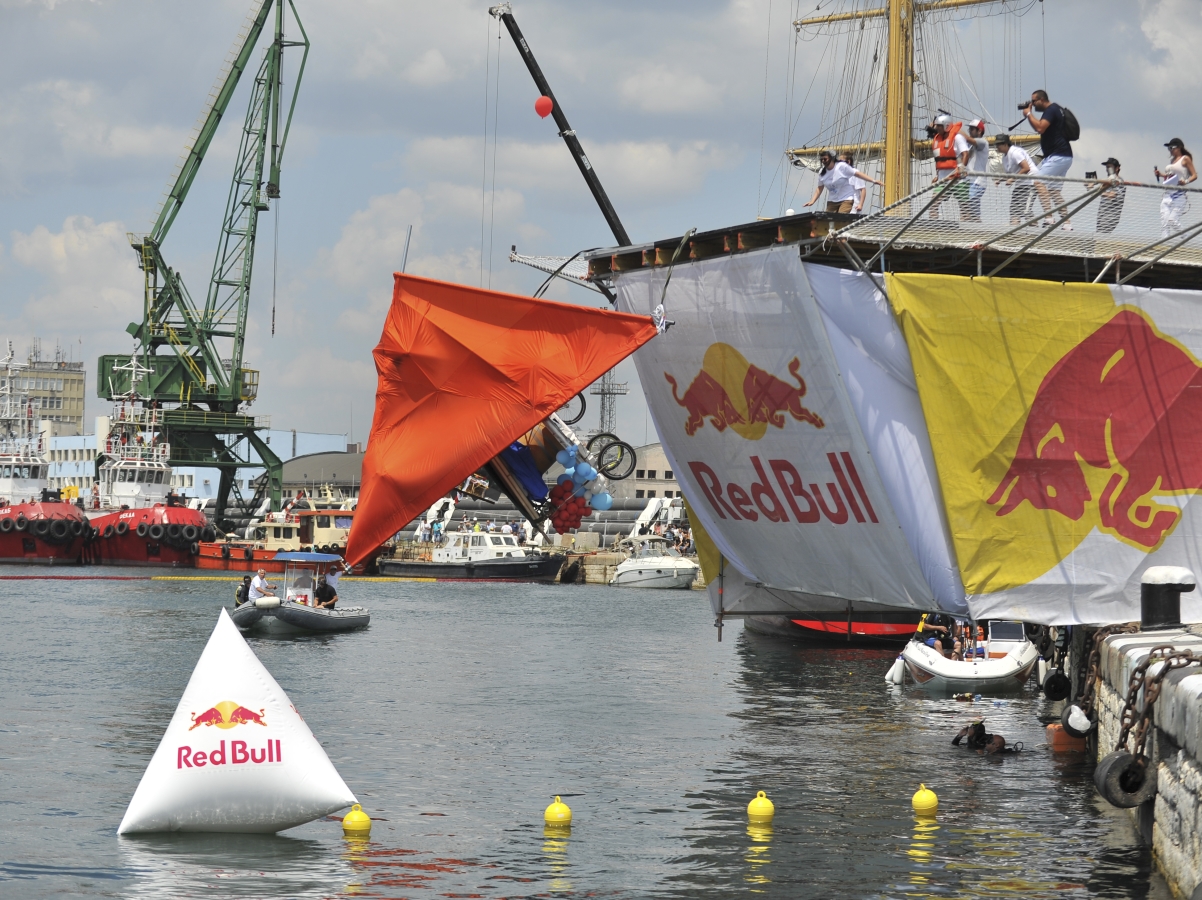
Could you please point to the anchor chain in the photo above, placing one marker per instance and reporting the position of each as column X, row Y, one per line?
column 1091, row 669
column 1124, row 778
column 1136, row 722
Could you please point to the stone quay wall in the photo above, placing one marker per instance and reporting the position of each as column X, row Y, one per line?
column 1172, row 821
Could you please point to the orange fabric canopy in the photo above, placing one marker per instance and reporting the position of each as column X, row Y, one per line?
column 463, row 372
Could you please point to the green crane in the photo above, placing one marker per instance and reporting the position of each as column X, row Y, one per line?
column 190, row 356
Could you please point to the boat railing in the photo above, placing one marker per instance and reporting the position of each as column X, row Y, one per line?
column 1118, row 228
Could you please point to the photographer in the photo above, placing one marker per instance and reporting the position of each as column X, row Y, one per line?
column 975, row 159
column 1055, row 147
column 1110, row 205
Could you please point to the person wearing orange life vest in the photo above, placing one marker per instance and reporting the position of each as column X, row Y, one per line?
column 947, row 146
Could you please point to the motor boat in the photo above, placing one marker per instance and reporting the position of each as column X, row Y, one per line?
column 477, row 556
column 1001, row 664
column 653, row 563
column 294, row 611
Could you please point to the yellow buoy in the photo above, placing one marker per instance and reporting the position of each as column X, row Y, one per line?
column 558, row 813
column 760, row 809
column 925, row 802
column 356, row 821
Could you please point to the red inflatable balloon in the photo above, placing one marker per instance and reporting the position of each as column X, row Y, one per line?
column 543, row 106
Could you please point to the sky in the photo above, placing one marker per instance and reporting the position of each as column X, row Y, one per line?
column 685, row 108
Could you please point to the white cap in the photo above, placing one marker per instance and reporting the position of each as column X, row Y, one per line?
column 1169, row 575
column 978, row 124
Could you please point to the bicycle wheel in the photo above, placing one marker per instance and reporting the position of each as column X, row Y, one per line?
column 572, row 411
column 616, row 461
column 598, row 441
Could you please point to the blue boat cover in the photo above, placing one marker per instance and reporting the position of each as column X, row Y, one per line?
column 298, row 556
column 521, row 463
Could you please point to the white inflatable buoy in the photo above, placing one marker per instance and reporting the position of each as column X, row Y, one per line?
column 237, row 757
column 897, row 672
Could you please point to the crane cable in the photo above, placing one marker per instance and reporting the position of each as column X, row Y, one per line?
column 275, row 262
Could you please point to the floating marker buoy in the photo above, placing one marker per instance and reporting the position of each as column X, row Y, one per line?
column 558, row 813
column 925, row 802
column 356, row 821
column 543, row 106
column 760, row 809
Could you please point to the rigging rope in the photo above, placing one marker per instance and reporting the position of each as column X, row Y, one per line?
column 496, row 115
column 484, row 165
column 764, row 117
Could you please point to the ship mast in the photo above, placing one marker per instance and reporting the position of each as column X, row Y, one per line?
column 899, row 146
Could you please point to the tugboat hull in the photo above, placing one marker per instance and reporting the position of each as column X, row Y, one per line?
column 542, row 569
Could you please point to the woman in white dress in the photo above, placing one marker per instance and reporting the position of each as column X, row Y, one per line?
column 1179, row 172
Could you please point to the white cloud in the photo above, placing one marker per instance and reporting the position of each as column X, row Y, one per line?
column 373, row 240
column 661, row 88
column 1174, row 29
column 429, row 69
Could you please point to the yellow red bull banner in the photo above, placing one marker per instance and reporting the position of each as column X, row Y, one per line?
column 1066, row 423
column 800, row 447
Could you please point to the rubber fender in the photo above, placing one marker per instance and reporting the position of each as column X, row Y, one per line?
column 248, row 553
column 155, row 531
column 225, row 551
column 1073, row 713
column 59, row 529
column 40, row 527
column 6, row 525
column 21, row 523
column 1122, row 782
column 190, row 533
column 173, row 531
column 121, row 528
column 1057, row 686
column 108, row 531
column 209, row 533
column 143, row 528
column 77, row 527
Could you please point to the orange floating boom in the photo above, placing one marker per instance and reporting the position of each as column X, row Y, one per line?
column 464, row 372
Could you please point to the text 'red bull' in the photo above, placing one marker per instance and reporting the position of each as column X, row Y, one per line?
column 1126, row 401
column 847, row 495
column 239, row 753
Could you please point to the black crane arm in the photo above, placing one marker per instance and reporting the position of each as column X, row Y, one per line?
column 504, row 14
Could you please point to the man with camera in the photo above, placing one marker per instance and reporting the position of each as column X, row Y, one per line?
column 1054, row 146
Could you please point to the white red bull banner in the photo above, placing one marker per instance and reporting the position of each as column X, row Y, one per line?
column 237, row 756
column 1066, row 422
column 751, row 390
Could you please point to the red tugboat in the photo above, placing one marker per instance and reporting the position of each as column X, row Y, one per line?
column 36, row 526
column 139, row 521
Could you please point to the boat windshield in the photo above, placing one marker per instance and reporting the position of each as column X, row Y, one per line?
column 1006, row 631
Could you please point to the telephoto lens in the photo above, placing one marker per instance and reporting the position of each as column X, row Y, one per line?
column 1023, row 106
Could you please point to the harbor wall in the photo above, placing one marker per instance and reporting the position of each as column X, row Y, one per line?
column 1172, row 821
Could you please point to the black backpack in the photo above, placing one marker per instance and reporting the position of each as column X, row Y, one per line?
column 1072, row 128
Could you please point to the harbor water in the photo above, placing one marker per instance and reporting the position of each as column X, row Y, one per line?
column 464, row 708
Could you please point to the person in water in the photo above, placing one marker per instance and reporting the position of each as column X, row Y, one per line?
column 325, row 595
column 976, row 738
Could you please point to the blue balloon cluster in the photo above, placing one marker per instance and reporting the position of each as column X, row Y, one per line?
column 580, row 474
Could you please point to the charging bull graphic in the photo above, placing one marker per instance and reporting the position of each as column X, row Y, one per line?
column 730, row 391
column 227, row 714
column 1122, row 410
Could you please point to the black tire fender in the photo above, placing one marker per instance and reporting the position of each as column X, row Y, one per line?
column 190, row 533
column 40, row 527
column 155, row 531
column 225, row 551
column 21, row 523
column 1123, row 781
column 143, row 528
column 6, row 525
column 108, row 531
column 60, row 529
column 173, row 531
column 194, row 548
column 120, row 528
column 248, row 553
column 77, row 527
column 1057, row 686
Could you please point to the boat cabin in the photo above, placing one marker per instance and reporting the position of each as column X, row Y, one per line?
column 134, row 482
column 23, row 475
column 472, row 546
column 321, row 529
column 301, row 573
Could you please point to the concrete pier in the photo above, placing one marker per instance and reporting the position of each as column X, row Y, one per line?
column 1172, row 821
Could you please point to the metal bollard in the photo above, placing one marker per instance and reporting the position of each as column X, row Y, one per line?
column 1160, row 596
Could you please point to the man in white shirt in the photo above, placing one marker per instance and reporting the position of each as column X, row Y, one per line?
column 259, row 586
column 975, row 162
column 1016, row 161
column 858, row 186
column 506, row 528
column 836, row 178
column 948, row 146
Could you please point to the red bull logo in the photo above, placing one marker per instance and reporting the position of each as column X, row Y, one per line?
column 227, row 714
column 731, row 392
column 1115, row 424
column 239, row 754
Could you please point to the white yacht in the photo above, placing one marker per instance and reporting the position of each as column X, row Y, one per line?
column 653, row 563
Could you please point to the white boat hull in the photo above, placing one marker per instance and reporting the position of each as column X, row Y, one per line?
column 647, row 576
column 934, row 672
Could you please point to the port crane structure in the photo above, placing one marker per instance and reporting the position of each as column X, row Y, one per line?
column 189, row 355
